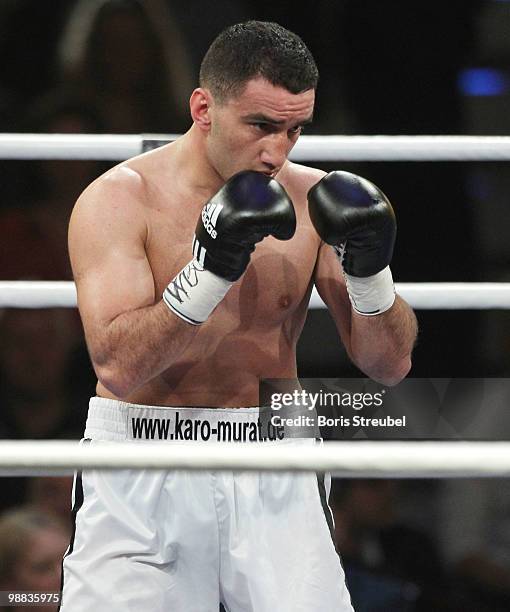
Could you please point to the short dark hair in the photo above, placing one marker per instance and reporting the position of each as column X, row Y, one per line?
column 257, row 48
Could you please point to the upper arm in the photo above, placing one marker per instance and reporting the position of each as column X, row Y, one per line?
column 330, row 285
column 107, row 234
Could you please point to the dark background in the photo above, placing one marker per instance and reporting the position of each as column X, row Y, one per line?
column 387, row 67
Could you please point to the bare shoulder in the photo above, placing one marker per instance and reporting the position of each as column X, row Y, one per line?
column 118, row 194
column 108, row 217
column 122, row 180
column 299, row 179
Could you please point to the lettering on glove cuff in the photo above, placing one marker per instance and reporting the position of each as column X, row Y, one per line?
column 195, row 292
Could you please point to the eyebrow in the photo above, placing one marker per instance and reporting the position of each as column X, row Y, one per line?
column 265, row 119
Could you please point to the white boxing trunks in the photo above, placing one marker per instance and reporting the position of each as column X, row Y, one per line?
column 182, row 541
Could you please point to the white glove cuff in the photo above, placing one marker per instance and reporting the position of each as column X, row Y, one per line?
column 194, row 293
column 371, row 295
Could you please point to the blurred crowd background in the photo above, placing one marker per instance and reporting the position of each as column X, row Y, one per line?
column 387, row 67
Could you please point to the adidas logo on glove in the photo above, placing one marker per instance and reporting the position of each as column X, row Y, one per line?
column 210, row 214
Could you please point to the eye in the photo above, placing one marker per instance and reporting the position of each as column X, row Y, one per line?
column 298, row 129
column 263, row 127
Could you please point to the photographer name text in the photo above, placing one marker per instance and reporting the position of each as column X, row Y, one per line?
column 323, row 421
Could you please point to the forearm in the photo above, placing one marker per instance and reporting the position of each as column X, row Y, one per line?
column 137, row 346
column 381, row 345
column 356, row 218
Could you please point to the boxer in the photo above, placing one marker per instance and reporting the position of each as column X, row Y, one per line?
column 194, row 264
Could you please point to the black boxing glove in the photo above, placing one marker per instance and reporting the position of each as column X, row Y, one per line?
column 356, row 218
column 249, row 207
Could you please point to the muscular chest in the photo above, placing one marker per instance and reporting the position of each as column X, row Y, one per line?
column 272, row 287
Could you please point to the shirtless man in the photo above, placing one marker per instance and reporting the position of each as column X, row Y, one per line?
column 183, row 316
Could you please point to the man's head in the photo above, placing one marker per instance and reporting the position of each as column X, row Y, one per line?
column 257, row 90
column 257, row 49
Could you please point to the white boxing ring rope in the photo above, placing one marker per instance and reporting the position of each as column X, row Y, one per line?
column 308, row 148
column 347, row 458
column 382, row 459
column 422, row 296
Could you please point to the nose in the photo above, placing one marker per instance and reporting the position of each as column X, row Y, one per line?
column 276, row 149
